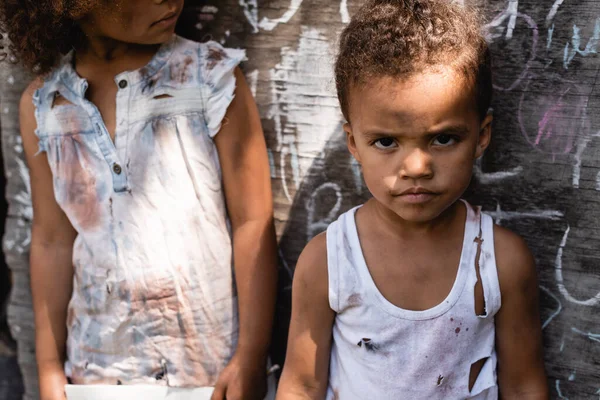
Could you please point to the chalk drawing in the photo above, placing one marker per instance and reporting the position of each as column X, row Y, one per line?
column 357, row 174
column 560, row 395
column 598, row 181
column 253, row 81
column 562, row 122
column 534, row 40
column 553, row 11
column 493, row 177
column 272, row 164
column 313, row 226
column 270, row 24
column 556, row 312
column 304, row 107
column 581, row 146
column 549, row 38
column 575, row 46
column 344, row 11
column 511, row 14
column 560, row 281
column 500, row 215
column 592, row 336
column 250, row 8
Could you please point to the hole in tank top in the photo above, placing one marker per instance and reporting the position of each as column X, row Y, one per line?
column 476, row 368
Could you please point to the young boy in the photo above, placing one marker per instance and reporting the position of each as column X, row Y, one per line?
column 415, row 294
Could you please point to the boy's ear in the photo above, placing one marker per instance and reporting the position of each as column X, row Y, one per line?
column 350, row 142
column 485, row 135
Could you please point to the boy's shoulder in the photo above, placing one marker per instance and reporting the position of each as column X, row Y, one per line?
column 311, row 268
column 514, row 261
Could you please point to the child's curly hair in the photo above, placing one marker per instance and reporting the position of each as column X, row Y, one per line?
column 41, row 31
column 399, row 38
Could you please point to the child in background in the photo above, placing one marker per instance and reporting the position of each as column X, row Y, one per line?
column 151, row 191
column 415, row 294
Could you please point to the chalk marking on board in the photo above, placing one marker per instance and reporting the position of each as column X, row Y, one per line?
column 572, row 376
column 295, row 164
column 511, row 13
column 499, row 215
column 553, row 11
column 556, row 312
column 560, row 281
column 592, row 336
column 250, row 8
column 269, row 24
column 590, row 47
column 209, row 9
column 491, row 177
column 271, row 164
column 356, row 173
column 562, row 344
column 549, row 39
column 313, row 227
column 582, row 144
column 303, row 107
column 253, row 81
column 560, row 395
column 598, row 181
column 344, row 11
column 284, row 182
column 534, row 39
column 23, row 198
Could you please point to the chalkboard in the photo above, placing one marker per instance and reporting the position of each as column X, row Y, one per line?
column 540, row 177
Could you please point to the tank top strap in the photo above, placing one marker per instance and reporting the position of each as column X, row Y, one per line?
column 487, row 264
column 344, row 280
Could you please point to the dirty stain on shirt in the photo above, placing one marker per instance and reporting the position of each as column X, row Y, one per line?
column 154, row 297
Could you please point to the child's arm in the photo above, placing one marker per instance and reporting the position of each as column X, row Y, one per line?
column 246, row 179
column 50, row 259
column 521, row 372
column 306, row 370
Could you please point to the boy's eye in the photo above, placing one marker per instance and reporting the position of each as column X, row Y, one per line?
column 385, row 143
column 444, row 140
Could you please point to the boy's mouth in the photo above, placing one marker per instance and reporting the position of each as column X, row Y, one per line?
column 416, row 195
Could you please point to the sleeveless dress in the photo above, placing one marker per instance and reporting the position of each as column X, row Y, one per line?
column 380, row 351
column 154, row 299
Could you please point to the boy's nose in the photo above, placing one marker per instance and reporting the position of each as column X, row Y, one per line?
column 417, row 164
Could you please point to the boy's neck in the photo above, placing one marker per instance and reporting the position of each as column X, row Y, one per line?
column 404, row 229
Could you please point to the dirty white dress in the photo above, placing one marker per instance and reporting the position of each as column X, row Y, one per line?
column 154, row 299
column 381, row 351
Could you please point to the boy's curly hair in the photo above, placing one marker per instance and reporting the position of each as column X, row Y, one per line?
column 399, row 38
column 41, row 31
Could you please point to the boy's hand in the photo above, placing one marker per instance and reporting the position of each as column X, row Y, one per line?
column 244, row 378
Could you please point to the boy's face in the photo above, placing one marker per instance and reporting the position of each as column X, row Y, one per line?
column 135, row 21
column 416, row 140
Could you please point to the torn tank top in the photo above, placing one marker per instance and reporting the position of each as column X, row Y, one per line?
column 380, row 351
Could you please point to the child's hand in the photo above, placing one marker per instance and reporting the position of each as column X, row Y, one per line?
column 244, row 378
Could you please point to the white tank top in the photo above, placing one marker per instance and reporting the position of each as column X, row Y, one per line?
column 380, row 351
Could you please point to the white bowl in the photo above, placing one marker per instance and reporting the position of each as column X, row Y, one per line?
column 135, row 392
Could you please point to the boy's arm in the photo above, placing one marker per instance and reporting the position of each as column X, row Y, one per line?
column 247, row 185
column 306, row 369
column 50, row 259
column 521, row 372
